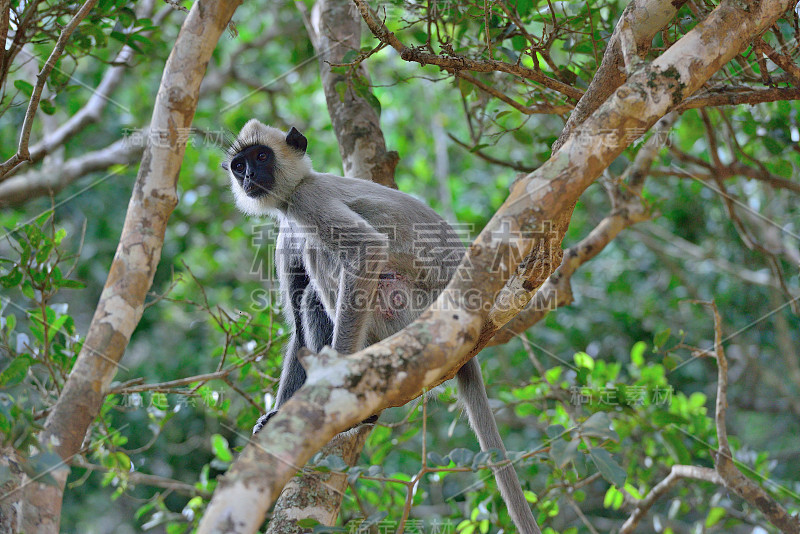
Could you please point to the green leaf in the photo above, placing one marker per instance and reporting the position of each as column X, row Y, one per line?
column 333, row 463
column 15, row 372
column 660, row 338
column 159, row 401
column 637, row 353
column 71, row 284
column 714, row 516
column 24, row 87
column 772, row 145
column 563, row 452
column 220, row 447
column 461, row 457
column 349, row 56
column 41, row 219
column 36, row 327
column 553, row 374
column 126, row 16
column 47, row 107
column 465, row 87
column 670, row 362
column 436, row 459
column 522, row 136
column 583, row 360
column 609, row 469
column 341, row 90
column 613, row 498
column 635, row 493
column 554, row 431
column 12, row 279
column 675, row 445
column 122, row 460
column 56, row 326
column 353, row 474
column 308, row 522
column 482, row 459
column 599, row 425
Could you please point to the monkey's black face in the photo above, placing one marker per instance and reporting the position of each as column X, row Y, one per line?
column 254, row 168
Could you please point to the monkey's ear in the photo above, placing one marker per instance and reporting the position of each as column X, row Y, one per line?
column 225, row 165
column 296, row 140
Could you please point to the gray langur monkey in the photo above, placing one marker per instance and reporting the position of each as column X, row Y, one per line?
column 356, row 262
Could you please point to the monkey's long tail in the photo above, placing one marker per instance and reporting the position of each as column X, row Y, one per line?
column 473, row 395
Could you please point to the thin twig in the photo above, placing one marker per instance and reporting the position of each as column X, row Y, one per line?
column 22, row 150
column 419, row 55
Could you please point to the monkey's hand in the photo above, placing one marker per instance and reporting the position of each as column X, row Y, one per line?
column 263, row 421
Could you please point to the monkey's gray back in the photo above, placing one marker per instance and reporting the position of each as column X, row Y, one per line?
column 329, row 211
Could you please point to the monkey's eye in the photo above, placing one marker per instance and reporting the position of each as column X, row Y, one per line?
column 262, row 156
column 238, row 167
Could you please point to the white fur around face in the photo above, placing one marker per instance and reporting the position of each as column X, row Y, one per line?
column 290, row 169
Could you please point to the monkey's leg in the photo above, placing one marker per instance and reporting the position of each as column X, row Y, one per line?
column 317, row 326
column 358, row 282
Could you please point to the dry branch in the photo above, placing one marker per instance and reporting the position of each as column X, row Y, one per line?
column 132, row 271
column 735, row 97
column 527, row 110
column 723, row 458
column 340, row 392
column 677, row 473
column 786, row 63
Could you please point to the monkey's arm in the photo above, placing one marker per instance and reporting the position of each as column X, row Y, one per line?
column 309, row 324
column 363, row 253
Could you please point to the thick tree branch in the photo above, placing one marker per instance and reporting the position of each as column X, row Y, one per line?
column 627, row 211
column 336, row 30
column 132, row 271
column 341, row 391
column 641, row 20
